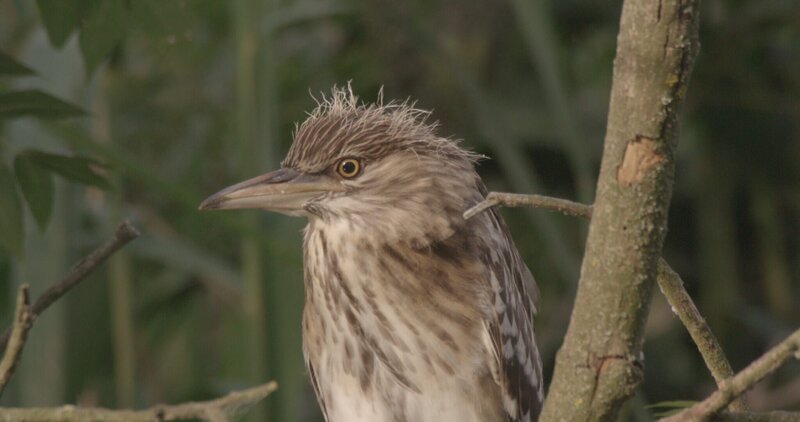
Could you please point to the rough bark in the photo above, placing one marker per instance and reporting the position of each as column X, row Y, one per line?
column 599, row 364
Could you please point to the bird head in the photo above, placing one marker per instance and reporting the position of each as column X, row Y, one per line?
column 369, row 166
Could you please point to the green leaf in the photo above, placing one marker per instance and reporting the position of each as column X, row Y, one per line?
column 75, row 168
column 35, row 103
column 668, row 408
column 674, row 404
column 11, row 67
column 37, row 187
column 11, row 224
column 62, row 17
column 102, row 31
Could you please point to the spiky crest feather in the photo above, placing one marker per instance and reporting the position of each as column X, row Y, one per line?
column 341, row 126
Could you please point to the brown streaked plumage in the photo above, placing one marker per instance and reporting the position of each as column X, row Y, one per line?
column 412, row 313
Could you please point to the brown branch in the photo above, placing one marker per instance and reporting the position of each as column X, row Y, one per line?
column 19, row 333
column 668, row 281
column 532, row 201
column 776, row 416
column 220, row 409
column 125, row 233
column 743, row 381
column 671, row 286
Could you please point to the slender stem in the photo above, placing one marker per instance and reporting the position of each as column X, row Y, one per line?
column 19, row 333
column 254, row 120
column 120, row 296
column 220, row 409
column 532, row 201
column 770, row 238
column 120, row 271
column 124, row 234
column 743, row 381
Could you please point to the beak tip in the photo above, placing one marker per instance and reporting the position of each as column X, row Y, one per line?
column 209, row 204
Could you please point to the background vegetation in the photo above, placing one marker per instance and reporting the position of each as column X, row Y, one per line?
column 167, row 101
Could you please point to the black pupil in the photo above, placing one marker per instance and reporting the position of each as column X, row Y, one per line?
column 348, row 168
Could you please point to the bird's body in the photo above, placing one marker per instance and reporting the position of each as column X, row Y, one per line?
column 412, row 313
column 418, row 348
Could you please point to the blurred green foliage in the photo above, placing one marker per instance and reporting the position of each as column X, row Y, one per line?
column 184, row 97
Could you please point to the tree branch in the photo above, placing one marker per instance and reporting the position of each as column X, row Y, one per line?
column 19, row 333
column 668, row 281
column 597, row 368
column 531, row 201
column 216, row 410
column 671, row 286
column 743, row 381
column 125, row 233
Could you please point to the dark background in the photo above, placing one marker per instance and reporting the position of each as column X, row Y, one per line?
column 184, row 97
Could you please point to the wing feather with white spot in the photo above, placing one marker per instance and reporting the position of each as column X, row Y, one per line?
column 519, row 368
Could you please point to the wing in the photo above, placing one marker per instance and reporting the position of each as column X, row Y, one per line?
column 512, row 343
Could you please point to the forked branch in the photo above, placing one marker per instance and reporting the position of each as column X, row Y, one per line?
column 125, row 233
column 668, row 281
column 743, row 381
column 217, row 410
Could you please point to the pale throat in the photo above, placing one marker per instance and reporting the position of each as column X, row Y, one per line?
column 358, row 284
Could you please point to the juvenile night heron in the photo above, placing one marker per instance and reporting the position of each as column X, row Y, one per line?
column 412, row 313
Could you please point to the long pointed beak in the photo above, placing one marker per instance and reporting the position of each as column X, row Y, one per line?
column 285, row 191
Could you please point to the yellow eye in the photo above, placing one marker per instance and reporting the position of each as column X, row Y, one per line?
column 348, row 168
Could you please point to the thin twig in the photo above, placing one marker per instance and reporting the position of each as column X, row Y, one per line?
column 19, row 333
column 125, row 233
column 743, row 381
column 220, row 409
column 531, row 201
column 668, row 280
column 672, row 288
